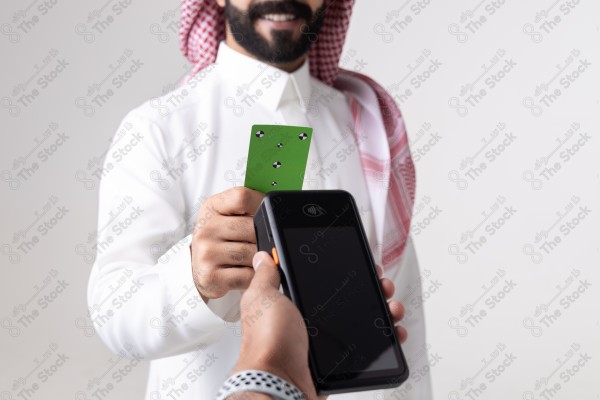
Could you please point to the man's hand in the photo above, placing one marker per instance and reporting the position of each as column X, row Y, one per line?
column 223, row 242
column 396, row 308
column 274, row 333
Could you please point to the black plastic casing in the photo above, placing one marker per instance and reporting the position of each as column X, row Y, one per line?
column 268, row 230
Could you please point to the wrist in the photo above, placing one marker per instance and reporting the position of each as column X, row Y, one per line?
column 258, row 384
column 297, row 375
column 262, row 366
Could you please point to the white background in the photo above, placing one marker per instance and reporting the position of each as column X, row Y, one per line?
column 537, row 302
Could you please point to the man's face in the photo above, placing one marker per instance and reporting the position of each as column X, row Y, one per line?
column 275, row 31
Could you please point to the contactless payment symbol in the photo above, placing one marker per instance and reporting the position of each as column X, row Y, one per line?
column 277, row 157
column 313, row 210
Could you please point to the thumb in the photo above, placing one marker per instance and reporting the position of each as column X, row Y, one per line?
column 266, row 272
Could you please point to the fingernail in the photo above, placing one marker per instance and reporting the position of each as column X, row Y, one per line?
column 257, row 260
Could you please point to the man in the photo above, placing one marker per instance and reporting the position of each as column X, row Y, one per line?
column 175, row 168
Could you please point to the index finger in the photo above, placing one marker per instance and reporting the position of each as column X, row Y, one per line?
column 238, row 200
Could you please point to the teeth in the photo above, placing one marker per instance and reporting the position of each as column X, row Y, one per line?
column 279, row 17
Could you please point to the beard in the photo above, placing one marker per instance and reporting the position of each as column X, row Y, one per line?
column 283, row 48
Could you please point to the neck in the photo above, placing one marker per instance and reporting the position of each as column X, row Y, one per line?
column 288, row 67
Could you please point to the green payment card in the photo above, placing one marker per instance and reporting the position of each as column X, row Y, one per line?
column 277, row 157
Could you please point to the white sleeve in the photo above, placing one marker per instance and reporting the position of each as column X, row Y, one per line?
column 141, row 295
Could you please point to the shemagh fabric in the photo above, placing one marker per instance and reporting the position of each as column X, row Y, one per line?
column 382, row 141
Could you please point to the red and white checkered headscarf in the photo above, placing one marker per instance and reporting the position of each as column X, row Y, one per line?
column 202, row 28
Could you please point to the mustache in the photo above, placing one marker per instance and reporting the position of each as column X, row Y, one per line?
column 300, row 10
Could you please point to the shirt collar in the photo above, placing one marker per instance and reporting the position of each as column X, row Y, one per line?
column 248, row 74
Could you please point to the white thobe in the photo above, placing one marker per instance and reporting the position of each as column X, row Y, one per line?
column 168, row 155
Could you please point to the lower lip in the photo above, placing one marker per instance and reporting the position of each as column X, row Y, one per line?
column 281, row 24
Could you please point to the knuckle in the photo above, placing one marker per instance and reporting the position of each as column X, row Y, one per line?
column 236, row 256
column 202, row 222
column 207, row 279
column 197, row 233
column 236, row 252
column 202, row 282
column 205, row 254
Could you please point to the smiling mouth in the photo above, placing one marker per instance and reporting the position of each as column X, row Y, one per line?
column 281, row 20
column 279, row 17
